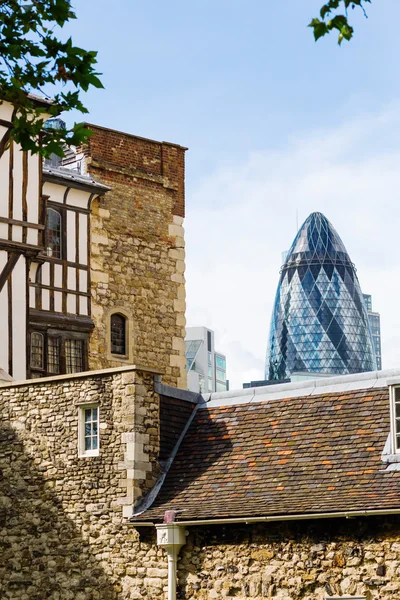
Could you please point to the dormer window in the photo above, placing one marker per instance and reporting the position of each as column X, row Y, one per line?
column 395, row 418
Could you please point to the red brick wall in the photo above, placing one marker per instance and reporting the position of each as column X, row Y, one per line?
column 137, row 250
column 130, row 153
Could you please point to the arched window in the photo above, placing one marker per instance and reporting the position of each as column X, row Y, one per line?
column 53, row 233
column 37, row 351
column 118, row 334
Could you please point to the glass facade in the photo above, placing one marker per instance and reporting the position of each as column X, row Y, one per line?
column 375, row 323
column 319, row 321
column 192, row 349
column 220, row 373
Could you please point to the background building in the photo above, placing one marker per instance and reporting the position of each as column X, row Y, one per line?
column 206, row 368
column 319, row 321
column 375, row 323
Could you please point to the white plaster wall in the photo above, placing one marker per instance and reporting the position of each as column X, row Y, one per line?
column 4, row 168
column 17, row 190
column 58, row 275
column 83, row 242
column 32, row 297
column 83, row 306
column 71, row 277
column 83, row 285
column 3, row 318
column 33, row 191
column 6, row 110
column 71, row 236
column 19, row 319
column 45, row 300
column 71, row 304
column 46, row 273
column 78, row 198
column 58, row 301
column 56, row 192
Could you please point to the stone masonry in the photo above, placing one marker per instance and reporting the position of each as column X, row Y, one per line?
column 62, row 529
column 137, row 251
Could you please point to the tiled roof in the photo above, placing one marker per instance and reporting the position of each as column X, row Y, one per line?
column 299, row 455
column 174, row 414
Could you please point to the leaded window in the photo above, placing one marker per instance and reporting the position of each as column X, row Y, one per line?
column 37, row 351
column 74, row 356
column 53, row 355
column 53, row 233
column 118, row 334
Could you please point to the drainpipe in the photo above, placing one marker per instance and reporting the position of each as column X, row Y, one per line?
column 172, row 537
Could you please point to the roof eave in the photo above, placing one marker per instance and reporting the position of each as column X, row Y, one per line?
column 53, row 176
column 272, row 518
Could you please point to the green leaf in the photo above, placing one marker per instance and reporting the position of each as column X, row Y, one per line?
column 320, row 28
column 33, row 56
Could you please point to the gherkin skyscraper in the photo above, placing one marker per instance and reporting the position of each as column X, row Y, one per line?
column 319, row 321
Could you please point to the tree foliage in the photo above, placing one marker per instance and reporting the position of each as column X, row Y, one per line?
column 337, row 21
column 34, row 59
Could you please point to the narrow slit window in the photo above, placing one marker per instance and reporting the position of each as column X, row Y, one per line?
column 118, row 334
column 53, row 233
column 53, row 355
column 37, row 351
column 74, row 356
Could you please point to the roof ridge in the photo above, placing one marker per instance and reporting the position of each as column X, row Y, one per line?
column 310, row 387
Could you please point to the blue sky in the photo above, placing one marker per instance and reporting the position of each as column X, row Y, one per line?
column 274, row 123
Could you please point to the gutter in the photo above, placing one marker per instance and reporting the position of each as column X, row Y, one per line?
column 295, row 517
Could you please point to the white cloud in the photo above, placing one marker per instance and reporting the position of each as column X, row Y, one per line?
column 242, row 216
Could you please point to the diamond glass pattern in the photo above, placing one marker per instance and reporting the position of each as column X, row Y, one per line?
column 319, row 321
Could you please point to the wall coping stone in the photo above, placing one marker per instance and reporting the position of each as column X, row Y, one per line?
column 82, row 375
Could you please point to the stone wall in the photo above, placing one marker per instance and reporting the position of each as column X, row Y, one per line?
column 308, row 560
column 293, row 561
column 137, row 251
column 62, row 530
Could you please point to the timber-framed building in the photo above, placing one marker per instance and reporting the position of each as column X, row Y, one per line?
column 92, row 257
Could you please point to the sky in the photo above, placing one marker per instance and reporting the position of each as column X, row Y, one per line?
column 277, row 127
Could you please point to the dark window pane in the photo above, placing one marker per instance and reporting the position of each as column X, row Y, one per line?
column 118, row 334
column 37, row 343
column 53, row 355
column 74, row 356
column 53, row 233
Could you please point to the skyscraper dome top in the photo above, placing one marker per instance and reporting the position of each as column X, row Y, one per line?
column 319, row 321
column 317, row 241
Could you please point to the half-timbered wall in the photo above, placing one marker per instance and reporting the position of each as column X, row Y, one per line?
column 61, row 283
column 21, row 230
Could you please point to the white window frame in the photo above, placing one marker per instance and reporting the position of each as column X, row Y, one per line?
column 346, row 598
column 395, row 449
column 82, row 453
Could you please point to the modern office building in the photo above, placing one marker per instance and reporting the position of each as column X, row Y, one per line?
column 206, row 368
column 375, row 323
column 319, row 321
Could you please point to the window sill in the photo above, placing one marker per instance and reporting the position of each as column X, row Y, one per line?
column 91, row 455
